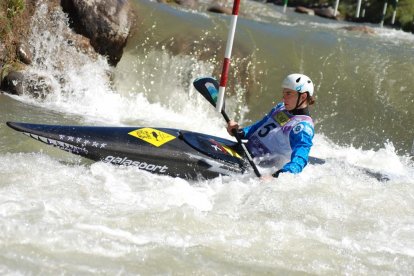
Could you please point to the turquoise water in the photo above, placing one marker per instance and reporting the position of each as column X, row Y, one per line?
column 362, row 81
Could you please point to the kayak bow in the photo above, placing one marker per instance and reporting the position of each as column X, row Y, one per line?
column 166, row 151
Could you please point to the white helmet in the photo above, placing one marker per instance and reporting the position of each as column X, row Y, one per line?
column 298, row 82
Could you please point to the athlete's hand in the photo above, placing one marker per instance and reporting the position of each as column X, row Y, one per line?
column 232, row 125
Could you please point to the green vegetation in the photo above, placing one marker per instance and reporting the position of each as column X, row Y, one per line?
column 373, row 10
column 405, row 15
column 3, row 18
column 14, row 22
column 9, row 10
column 14, row 7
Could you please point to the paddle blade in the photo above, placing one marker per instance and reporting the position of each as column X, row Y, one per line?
column 208, row 87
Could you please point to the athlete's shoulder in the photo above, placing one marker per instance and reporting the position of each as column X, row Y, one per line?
column 279, row 105
column 304, row 128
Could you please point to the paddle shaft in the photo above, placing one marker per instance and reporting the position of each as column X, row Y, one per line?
column 246, row 151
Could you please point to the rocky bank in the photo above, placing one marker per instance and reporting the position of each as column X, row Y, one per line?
column 97, row 27
column 100, row 27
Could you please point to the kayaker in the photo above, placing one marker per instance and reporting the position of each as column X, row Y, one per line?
column 283, row 138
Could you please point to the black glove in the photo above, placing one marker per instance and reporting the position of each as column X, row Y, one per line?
column 240, row 132
column 276, row 174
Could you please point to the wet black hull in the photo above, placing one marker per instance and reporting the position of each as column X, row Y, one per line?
column 166, row 151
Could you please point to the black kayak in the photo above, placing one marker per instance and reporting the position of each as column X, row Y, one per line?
column 166, row 151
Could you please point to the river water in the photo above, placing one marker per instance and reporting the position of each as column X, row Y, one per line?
column 61, row 214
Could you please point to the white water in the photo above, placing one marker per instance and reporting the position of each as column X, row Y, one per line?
column 60, row 214
column 59, row 217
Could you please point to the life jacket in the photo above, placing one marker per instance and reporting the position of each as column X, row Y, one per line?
column 271, row 138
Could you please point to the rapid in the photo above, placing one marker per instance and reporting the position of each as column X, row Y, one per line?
column 62, row 214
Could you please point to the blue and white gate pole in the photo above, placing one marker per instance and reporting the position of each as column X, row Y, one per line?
column 227, row 55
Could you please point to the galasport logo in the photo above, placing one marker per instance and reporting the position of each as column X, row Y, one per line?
column 141, row 165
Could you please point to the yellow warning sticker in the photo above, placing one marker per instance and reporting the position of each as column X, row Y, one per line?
column 232, row 152
column 152, row 136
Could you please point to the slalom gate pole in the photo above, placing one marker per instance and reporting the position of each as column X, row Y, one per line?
column 358, row 8
column 384, row 12
column 394, row 13
column 336, row 8
column 285, row 2
column 227, row 55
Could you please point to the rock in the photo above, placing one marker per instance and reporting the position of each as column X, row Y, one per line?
column 82, row 44
column 327, row 12
column 106, row 23
column 23, row 53
column 38, row 86
column 220, row 9
column 2, row 71
column 3, row 52
column 301, row 9
column 362, row 29
column 192, row 4
column 3, row 65
column 17, row 83
column 13, row 83
column 187, row 3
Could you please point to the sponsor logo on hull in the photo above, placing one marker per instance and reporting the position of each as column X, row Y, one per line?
column 141, row 165
column 59, row 144
column 224, row 149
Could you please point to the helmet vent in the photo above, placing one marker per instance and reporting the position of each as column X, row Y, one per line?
column 298, row 80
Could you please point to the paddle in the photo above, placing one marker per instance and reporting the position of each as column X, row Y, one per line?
column 208, row 87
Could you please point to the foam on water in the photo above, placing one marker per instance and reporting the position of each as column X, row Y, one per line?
column 330, row 218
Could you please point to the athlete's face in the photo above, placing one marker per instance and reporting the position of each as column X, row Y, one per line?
column 290, row 98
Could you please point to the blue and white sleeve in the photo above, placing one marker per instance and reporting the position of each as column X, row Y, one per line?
column 301, row 142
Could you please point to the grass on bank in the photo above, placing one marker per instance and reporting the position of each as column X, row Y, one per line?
column 14, row 22
column 9, row 13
